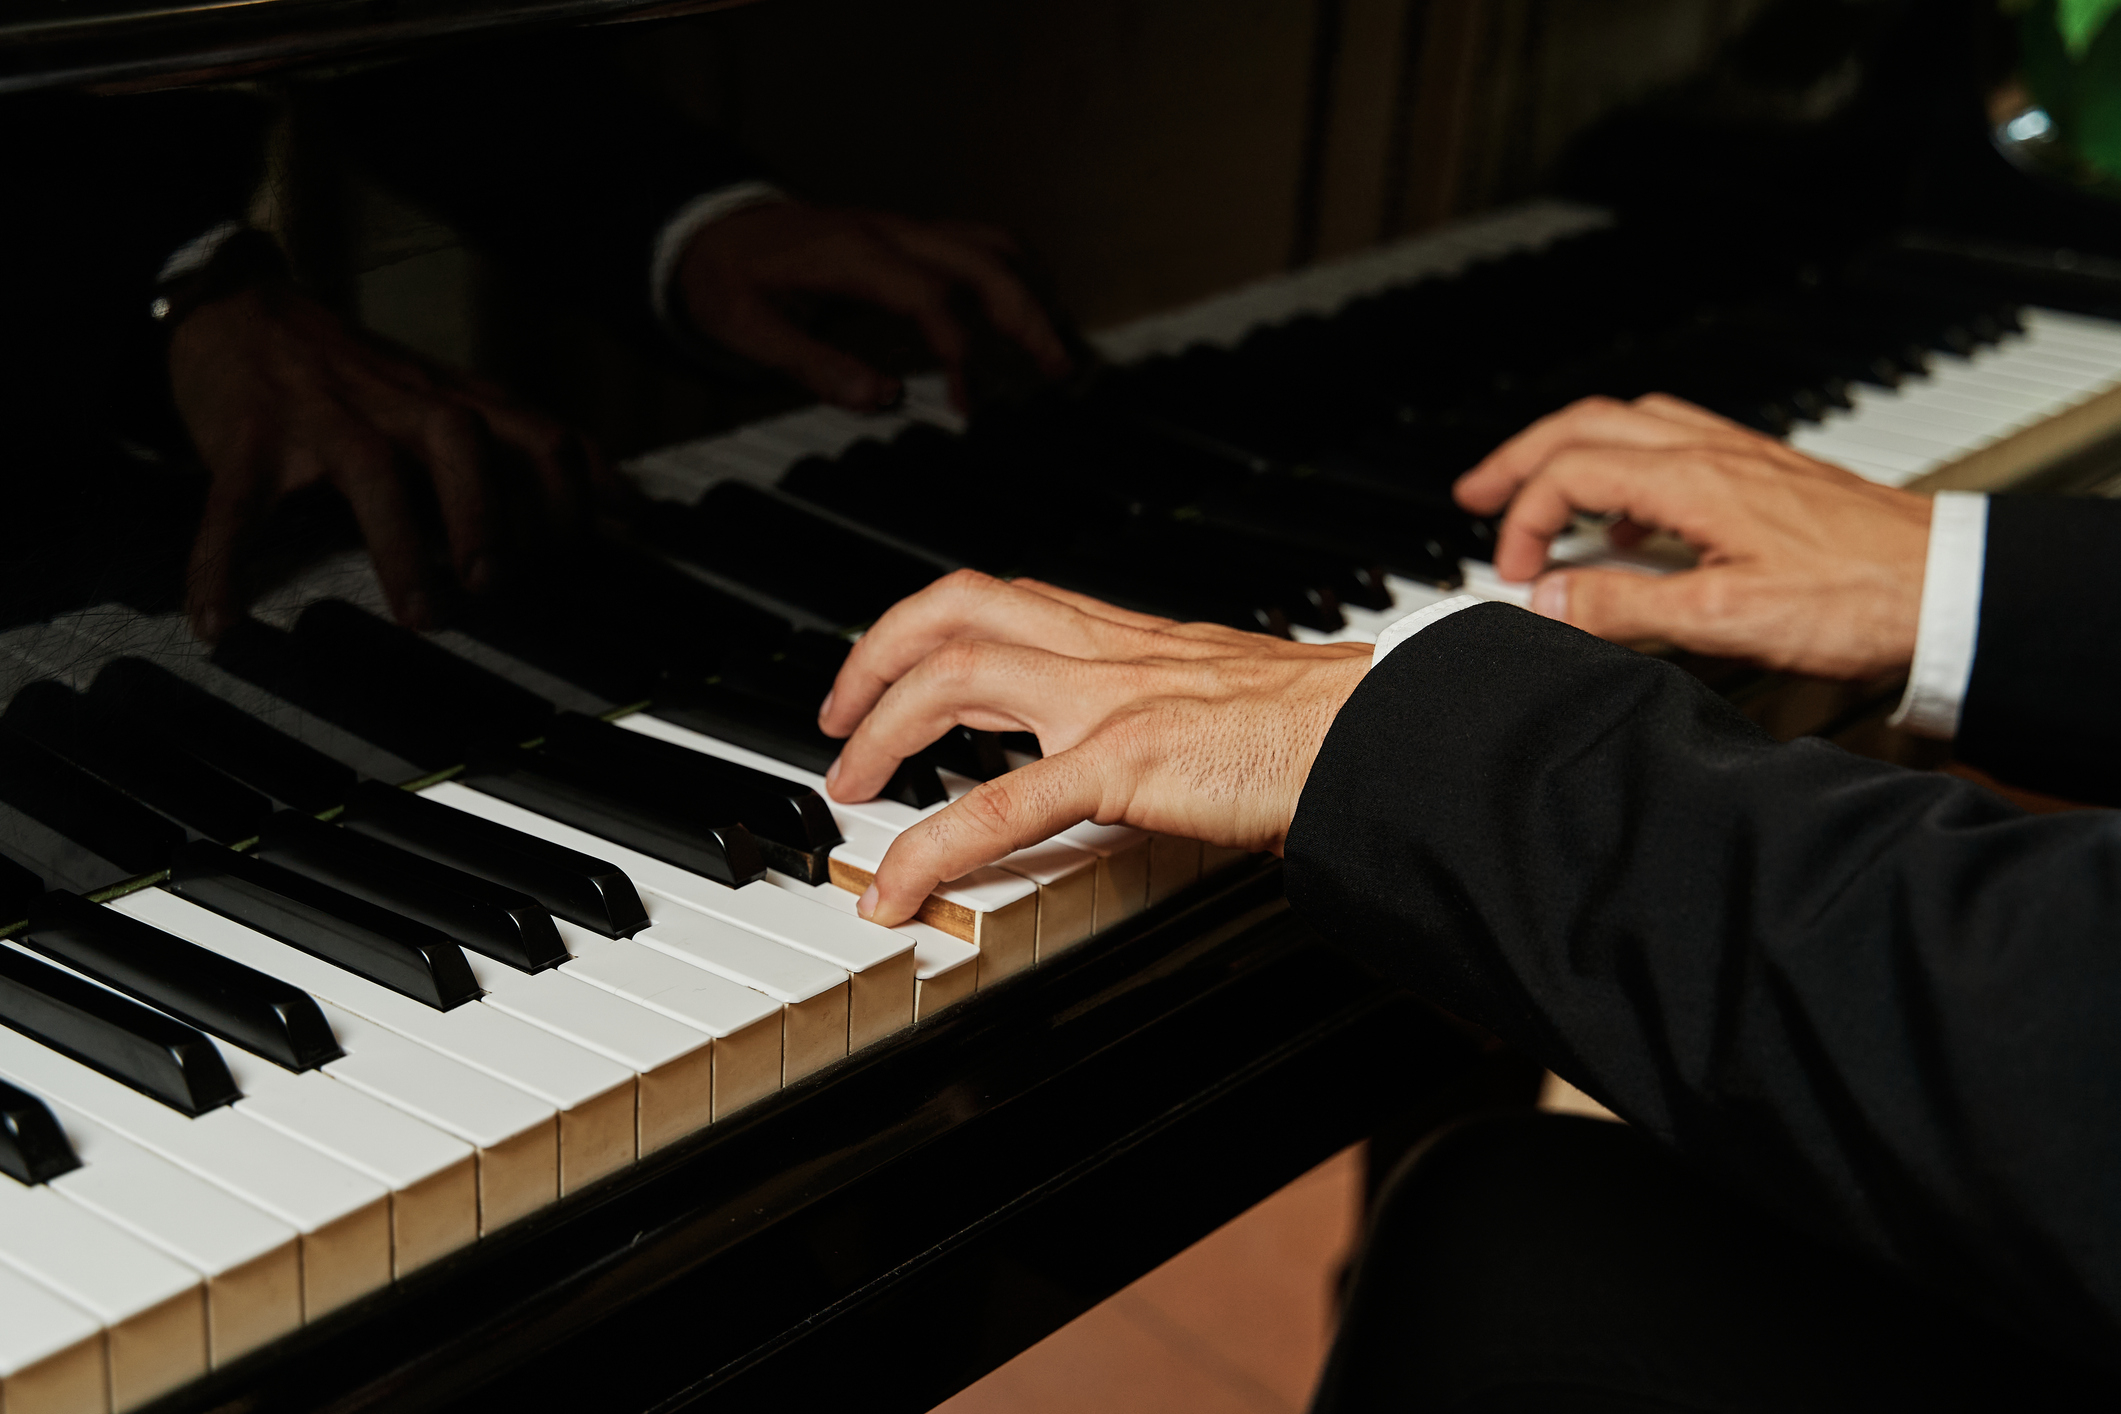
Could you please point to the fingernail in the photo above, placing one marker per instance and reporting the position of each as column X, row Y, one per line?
column 832, row 772
column 212, row 624
column 478, row 576
column 866, row 904
column 824, row 709
column 1550, row 597
column 419, row 613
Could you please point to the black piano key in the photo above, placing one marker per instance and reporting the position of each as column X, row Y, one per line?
column 672, row 830
column 791, row 822
column 20, row 887
column 786, row 734
column 83, row 810
column 424, row 732
column 138, row 761
column 222, row 735
column 582, row 890
column 391, row 950
column 431, row 678
column 782, row 549
column 155, row 1054
column 618, row 624
column 967, row 751
column 259, row 1012
column 503, row 923
column 33, row 1149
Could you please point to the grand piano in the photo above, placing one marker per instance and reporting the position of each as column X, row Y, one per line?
column 477, row 1019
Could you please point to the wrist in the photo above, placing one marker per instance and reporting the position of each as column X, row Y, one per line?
column 243, row 260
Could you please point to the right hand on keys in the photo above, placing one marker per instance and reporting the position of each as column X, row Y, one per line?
column 1184, row 729
column 1803, row 566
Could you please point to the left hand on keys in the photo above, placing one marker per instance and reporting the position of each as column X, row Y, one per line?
column 1185, row 729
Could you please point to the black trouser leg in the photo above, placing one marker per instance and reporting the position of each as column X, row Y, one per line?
column 1568, row 1266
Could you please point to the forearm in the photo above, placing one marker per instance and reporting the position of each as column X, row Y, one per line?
column 1879, row 1000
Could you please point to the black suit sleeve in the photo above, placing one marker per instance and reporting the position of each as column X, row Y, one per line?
column 1884, row 1002
column 2045, row 696
column 543, row 153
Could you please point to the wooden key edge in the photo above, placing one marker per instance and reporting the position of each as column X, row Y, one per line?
column 953, row 918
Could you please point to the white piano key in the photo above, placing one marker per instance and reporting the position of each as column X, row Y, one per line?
column 946, row 969
column 1962, row 426
column 51, row 1352
column 995, row 911
column 813, row 994
column 432, row 1178
column 519, row 1140
column 251, row 1261
column 1924, row 445
column 2095, row 369
column 594, row 1097
column 1831, row 444
column 1997, row 381
column 1067, row 892
column 674, row 1062
column 343, row 1215
column 880, row 967
column 1122, row 868
column 432, row 1175
column 2078, row 334
column 746, row 1025
column 153, row 1307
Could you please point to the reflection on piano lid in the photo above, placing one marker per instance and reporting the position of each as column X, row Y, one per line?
column 620, row 1103
column 66, row 43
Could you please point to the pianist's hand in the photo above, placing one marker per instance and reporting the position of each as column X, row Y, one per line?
column 736, row 271
column 1803, row 565
column 1185, row 729
column 279, row 395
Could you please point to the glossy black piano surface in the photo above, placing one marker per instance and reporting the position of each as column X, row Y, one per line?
column 49, row 44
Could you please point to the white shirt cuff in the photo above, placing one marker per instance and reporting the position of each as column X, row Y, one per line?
column 1400, row 630
column 1951, row 616
column 702, row 211
column 194, row 254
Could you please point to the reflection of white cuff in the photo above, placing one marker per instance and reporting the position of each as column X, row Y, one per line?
column 194, row 254
column 1400, row 630
column 1951, row 616
column 703, row 210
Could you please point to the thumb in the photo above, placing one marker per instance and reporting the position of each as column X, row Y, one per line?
column 1621, row 605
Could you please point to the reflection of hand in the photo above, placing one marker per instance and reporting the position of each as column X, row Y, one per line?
column 279, row 395
column 1803, row 565
column 1187, row 729
column 735, row 269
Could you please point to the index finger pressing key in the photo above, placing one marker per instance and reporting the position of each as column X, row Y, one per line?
column 1030, row 804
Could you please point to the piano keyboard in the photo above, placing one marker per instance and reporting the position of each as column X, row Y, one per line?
column 370, row 945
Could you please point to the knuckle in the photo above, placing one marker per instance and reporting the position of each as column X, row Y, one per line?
column 990, row 808
column 957, row 662
column 967, row 584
